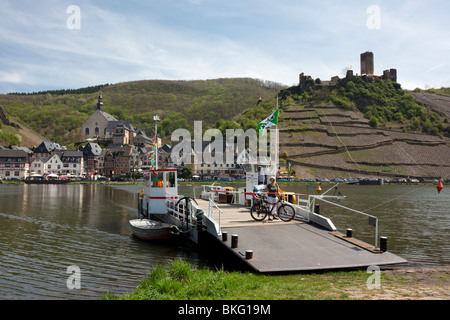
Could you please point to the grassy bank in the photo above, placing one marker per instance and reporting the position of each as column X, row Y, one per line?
column 179, row 281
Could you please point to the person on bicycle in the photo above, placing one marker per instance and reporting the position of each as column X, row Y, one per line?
column 272, row 190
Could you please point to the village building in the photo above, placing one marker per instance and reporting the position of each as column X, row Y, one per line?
column 142, row 138
column 108, row 163
column 45, row 166
column 73, row 163
column 14, row 164
column 45, row 149
column 53, row 165
column 37, row 167
column 208, row 169
column 120, row 132
column 91, row 156
column 164, row 154
column 120, row 161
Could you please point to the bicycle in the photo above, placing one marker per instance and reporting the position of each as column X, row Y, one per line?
column 260, row 209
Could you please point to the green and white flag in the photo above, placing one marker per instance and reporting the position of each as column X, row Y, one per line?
column 268, row 122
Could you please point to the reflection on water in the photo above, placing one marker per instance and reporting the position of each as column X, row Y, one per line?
column 414, row 218
column 44, row 229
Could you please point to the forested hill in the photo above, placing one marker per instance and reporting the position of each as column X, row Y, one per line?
column 58, row 115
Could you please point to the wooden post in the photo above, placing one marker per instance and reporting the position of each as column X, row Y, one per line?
column 349, row 233
column 383, row 244
column 234, row 241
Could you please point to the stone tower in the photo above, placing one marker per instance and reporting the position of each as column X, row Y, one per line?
column 367, row 65
column 390, row 75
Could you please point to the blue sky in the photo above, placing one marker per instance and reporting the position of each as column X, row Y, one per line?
column 118, row 41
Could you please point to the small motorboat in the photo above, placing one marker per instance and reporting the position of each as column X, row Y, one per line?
column 146, row 229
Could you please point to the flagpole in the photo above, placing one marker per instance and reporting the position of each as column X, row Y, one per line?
column 156, row 118
column 277, row 143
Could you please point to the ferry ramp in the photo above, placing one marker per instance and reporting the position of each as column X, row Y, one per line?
column 277, row 246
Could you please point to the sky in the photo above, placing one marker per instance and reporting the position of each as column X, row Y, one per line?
column 49, row 44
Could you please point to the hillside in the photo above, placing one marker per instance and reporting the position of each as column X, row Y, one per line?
column 13, row 134
column 342, row 131
column 356, row 127
column 58, row 115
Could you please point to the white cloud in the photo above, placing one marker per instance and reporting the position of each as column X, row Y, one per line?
column 11, row 77
column 198, row 39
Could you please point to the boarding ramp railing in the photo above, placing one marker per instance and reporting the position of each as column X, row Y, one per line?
column 305, row 206
column 210, row 216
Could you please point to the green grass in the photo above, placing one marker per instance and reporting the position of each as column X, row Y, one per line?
column 179, row 281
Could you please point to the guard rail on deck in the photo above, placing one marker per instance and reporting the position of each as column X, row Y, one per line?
column 373, row 221
column 304, row 208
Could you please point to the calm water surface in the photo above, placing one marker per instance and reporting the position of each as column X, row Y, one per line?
column 44, row 229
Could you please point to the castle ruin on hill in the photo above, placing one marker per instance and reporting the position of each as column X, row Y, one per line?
column 367, row 69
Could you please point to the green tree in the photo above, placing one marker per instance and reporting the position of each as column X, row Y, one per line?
column 186, row 172
column 374, row 122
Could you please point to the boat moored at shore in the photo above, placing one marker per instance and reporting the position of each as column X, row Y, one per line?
column 309, row 242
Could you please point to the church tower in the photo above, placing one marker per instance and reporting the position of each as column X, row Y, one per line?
column 100, row 103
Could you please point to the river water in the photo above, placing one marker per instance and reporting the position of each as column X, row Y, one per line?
column 46, row 229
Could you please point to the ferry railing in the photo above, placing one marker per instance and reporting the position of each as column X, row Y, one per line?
column 180, row 212
column 373, row 220
column 304, row 207
column 211, row 208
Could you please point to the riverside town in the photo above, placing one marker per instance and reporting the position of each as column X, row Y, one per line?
column 233, row 188
column 129, row 152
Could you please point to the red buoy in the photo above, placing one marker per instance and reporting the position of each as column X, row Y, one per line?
column 439, row 186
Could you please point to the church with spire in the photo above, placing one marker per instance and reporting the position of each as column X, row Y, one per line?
column 102, row 126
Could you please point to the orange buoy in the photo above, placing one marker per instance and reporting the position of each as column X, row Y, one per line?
column 439, row 186
column 319, row 189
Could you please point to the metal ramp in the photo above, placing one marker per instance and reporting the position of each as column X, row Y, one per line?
column 300, row 247
column 276, row 246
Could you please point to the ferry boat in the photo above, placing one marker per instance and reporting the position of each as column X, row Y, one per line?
column 162, row 212
column 309, row 242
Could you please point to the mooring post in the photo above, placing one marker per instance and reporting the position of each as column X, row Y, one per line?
column 349, row 233
column 317, row 209
column 383, row 244
column 234, row 241
column 248, row 254
column 224, row 236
